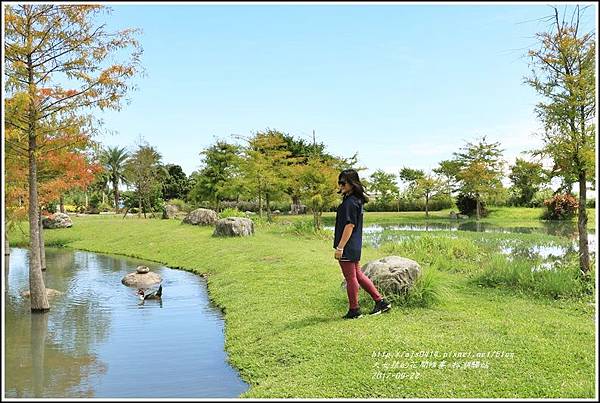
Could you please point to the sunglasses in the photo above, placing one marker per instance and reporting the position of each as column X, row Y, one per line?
column 341, row 183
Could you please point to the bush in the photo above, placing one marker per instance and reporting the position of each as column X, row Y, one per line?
column 231, row 212
column 406, row 204
column 590, row 203
column 561, row 280
column 180, row 204
column 306, row 227
column 540, row 196
column 467, row 205
column 70, row 208
column 439, row 252
column 428, row 290
column 104, row 207
column 560, row 207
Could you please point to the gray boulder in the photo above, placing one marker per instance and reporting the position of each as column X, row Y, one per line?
column 57, row 220
column 201, row 216
column 234, row 226
column 141, row 278
column 392, row 275
column 50, row 293
column 170, row 211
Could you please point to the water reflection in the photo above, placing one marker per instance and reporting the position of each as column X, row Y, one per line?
column 377, row 234
column 96, row 341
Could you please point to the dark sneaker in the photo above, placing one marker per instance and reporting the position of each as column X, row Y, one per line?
column 381, row 306
column 352, row 314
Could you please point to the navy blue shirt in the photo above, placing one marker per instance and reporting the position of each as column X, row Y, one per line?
column 349, row 212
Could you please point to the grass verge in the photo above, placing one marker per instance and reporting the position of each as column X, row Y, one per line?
column 283, row 303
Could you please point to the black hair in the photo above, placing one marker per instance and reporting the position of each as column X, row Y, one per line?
column 351, row 176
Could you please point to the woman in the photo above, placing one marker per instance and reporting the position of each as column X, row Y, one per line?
column 348, row 243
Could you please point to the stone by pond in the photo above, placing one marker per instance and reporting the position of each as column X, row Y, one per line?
column 201, row 216
column 392, row 274
column 57, row 220
column 234, row 226
column 97, row 341
column 141, row 278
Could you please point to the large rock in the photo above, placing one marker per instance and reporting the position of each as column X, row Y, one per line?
column 141, row 278
column 57, row 220
column 50, row 293
column 234, row 226
column 170, row 211
column 201, row 216
column 392, row 275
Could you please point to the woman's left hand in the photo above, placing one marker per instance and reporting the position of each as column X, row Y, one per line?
column 338, row 254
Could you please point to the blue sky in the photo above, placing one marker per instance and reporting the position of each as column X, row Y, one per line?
column 401, row 84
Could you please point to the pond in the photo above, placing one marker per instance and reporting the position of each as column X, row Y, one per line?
column 98, row 341
column 376, row 234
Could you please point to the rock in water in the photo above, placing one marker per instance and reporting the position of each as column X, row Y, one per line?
column 234, row 226
column 201, row 216
column 141, row 278
column 51, row 293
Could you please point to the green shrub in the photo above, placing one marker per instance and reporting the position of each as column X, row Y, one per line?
column 231, row 212
column 306, row 227
column 428, row 290
column 540, row 196
column 104, row 207
column 442, row 253
column 467, row 205
column 560, row 207
column 180, row 204
column 557, row 280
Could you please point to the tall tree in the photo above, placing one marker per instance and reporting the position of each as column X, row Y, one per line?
column 214, row 181
column 48, row 46
column 527, row 178
column 176, row 185
column 384, row 184
column 318, row 178
column 300, row 152
column 423, row 185
column 479, row 170
column 143, row 170
column 564, row 73
column 265, row 167
column 114, row 160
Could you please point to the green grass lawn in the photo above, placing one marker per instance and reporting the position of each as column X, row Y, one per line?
column 283, row 304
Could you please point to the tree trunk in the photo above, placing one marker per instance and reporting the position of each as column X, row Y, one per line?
column 62, row 204
column 6, row 257
column 317, row 217
column 39, row 299
column 426, row 206
column 477, row 204
column 116, row 192
column 582, row 218
column 42, row 244
column 295, row 207
column 139, row 204
column 39, row 331
column 268, row 203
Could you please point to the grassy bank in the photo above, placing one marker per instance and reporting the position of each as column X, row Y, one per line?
column 500, row 216
column 282, row 300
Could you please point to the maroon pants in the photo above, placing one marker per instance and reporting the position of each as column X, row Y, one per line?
column 354, row 276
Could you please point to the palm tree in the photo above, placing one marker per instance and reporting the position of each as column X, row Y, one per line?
column 113, row 160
